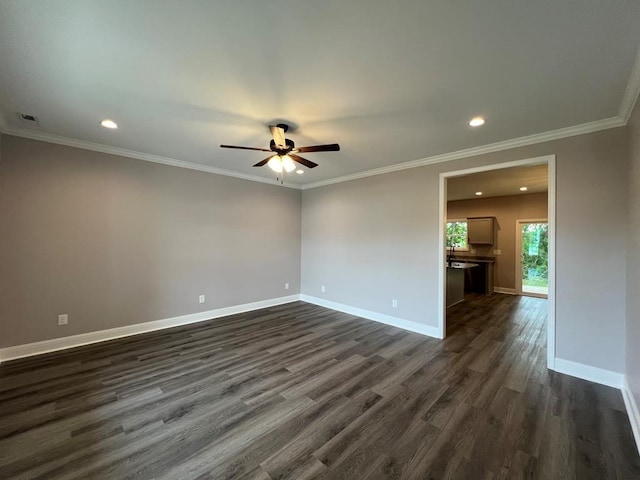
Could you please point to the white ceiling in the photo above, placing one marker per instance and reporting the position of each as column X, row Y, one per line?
column 391, row 82
column 499, row 183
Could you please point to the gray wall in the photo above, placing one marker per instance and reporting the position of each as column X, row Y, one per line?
column 114, row 241
column 507, row 210
column 376, row 238
column 633, row 259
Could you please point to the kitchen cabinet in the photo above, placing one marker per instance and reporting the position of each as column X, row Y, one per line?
column 480, row 230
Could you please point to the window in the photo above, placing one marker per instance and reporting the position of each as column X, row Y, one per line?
column 457, row 234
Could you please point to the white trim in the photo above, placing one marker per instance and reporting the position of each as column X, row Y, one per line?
column 550, row 160
column 63, row 343
column 442, row 258
column 506, row 291
column 582, row 129
column 551, row 257
column 416, row 327
column 532, row 294
column 557, row 134
column 633, row 411
column 123, row 152
column 631, row 92
column 587, row 372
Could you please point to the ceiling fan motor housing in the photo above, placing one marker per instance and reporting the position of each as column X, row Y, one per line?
column 282, row 151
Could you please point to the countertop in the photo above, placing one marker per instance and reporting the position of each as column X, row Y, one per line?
column 473, row 258
column 461, row 265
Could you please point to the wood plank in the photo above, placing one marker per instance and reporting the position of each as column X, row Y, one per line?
column 299, row 391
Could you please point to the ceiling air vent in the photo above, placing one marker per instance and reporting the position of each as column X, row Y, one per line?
column 28, row 119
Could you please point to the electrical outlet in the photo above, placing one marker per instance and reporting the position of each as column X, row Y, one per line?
column 497, row 252
column 63, row 319
column 394, row 303
column 286, row 286
column 201, row 299
column 323, row 289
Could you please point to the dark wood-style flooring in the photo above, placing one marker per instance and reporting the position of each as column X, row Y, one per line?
column 298, row 391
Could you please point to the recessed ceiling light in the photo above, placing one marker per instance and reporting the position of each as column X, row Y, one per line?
column 478, row 193
column 299, row 172
column 523, row 189
column 476, row 121
column 106, row 123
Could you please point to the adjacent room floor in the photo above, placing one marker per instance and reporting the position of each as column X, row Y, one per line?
column 299, row 391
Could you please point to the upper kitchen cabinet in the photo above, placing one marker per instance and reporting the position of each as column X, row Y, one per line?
column 480, row 230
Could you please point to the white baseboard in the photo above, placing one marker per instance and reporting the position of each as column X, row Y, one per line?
column 378, row 317
column 46, row 346
column 633, row 411
column 587, row 372
column 507, row 291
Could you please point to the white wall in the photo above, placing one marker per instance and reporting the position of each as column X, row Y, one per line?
column 376, row 238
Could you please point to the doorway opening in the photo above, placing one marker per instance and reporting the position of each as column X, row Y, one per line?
column 542, row 273
column 532, row 255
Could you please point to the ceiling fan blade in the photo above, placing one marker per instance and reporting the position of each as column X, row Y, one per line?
column 263, row 162
column 303, row 161
column 245, row 148
column 278, row 135
column 333, row 147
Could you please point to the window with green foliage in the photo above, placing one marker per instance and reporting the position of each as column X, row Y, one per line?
column 457, row 234
column 535, row 252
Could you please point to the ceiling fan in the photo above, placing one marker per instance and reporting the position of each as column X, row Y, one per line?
column 285, row 151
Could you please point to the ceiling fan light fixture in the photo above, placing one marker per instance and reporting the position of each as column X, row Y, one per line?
column 287, row 163
column 275, row 163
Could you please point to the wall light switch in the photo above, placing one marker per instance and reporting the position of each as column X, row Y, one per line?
column 394, row 303
column 63, row 319
column 286, row 286
column 201, row 299
column 497, row 252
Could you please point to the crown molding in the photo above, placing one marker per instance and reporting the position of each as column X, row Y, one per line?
column 447, row 157
column 629, row 99
column 632, row 92
column 472, row 152
column 123, row 152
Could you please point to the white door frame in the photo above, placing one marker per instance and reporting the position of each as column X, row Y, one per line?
column 518, row 277
column 550, row 160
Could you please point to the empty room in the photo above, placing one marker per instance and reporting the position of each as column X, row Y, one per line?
column 319, row 240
